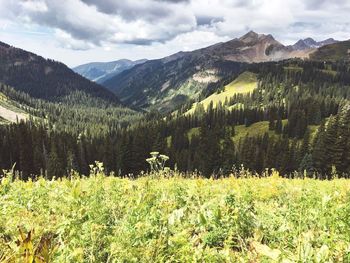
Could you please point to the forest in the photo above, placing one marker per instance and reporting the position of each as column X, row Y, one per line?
column 305, row 103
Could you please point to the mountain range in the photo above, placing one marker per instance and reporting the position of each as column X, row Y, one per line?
column 165, row 83
column 309, row 43
column 161, row 84
column 101, row 71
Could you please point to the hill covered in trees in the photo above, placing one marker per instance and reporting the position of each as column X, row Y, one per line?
column 49, row 94
column 43, row 78
column 335, row 52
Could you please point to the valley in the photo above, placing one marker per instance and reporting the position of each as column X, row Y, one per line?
column 236, row 112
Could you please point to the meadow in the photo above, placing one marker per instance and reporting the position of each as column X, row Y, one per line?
column 171, row 217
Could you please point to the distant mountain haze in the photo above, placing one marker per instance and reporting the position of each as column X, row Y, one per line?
column 308, row 43
column 101, row 71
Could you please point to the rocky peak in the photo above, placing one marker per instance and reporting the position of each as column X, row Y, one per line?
column 310, row 42
column 251, row 36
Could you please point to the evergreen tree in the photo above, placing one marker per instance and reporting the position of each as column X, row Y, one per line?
column 228, row 152
column 54, row 166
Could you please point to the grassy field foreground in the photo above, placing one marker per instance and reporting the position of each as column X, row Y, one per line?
column 108, row 219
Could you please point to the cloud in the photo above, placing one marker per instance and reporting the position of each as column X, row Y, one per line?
column 94, row 23
column 206, row 20
column 88, row 24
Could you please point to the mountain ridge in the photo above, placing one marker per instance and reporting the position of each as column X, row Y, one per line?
column 101, row 71
column 174, row 79
column 45, row 78
column 307, row 43
column 339, row 51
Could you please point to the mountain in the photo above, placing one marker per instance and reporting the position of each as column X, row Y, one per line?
column 101, row 71
column 165, row 83
column 53, row 97
column 44, row 78
column 308, row 43
column 333, row 52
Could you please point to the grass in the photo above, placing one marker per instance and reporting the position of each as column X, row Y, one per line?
column 330, row 72
column 158, row 219
column 254, row 130
column 241, row 131
column 244, row 83
column 293, row 68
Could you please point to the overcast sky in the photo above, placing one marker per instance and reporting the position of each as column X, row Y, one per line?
column 81, row 31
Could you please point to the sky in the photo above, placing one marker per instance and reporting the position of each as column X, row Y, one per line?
column 81, row 31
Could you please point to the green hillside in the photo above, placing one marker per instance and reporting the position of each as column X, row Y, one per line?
column 243, row 84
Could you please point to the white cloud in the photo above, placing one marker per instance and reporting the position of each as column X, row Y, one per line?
column 34, row 6
column 155, row 28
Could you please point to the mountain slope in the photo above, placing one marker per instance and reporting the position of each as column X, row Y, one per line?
column 333, row 52
column 165, row 83
column 43, row 78
column 101, row 71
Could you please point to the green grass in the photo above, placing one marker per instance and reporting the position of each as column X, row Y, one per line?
column 154, row 219
column 293, row 68
column 241, row 131
column 244, row 83
column 254, row 130
column 330, row 72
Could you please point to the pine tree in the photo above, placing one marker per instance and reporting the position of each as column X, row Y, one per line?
column 228, row 152
column 278, row 125
column 319, row 153
column 306, row 164
column 342, row 149
column 54, row 166
column 331, row 148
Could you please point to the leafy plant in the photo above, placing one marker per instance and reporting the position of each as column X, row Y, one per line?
column 156, row 219
column 157, row 161
column 29, row 252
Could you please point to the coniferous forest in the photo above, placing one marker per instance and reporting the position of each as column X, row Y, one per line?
column 303, row 106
